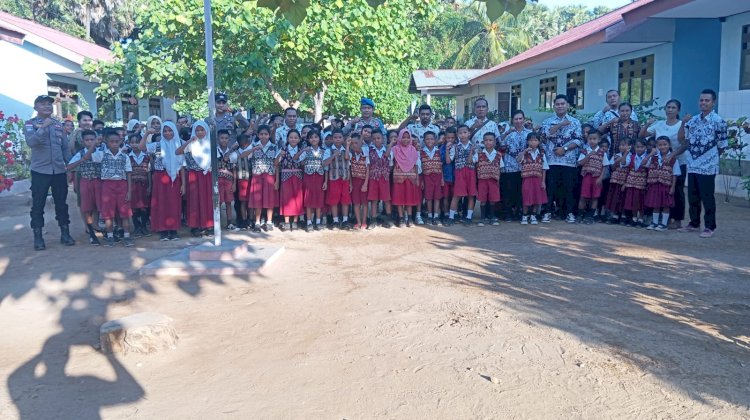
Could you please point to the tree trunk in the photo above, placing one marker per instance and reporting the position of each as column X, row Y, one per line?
column 283, row 103
column 318, row 101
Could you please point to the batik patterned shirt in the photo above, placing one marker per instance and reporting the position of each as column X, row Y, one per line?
column 705, row 136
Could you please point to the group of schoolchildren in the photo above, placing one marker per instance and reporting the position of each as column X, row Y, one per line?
column 314, row 179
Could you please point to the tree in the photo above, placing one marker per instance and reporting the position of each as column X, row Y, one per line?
column 495, row 40
column 340, row 50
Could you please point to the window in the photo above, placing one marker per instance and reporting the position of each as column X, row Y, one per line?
column 503, row 106
column 515, row 98
column 154, row 107
column 745, row 58
column 129, row 108
column 636, row 80
column 547, row 92
column 574, row 90
column 66, row 95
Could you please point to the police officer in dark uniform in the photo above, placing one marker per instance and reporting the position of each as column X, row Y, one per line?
column 226, row 120
column 49, row 156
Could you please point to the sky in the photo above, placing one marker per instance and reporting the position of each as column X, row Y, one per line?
column 612, row 4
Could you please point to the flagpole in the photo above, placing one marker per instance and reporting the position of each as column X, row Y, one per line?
column 212, row 117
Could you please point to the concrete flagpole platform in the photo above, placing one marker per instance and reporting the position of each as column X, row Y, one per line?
column 231, row 258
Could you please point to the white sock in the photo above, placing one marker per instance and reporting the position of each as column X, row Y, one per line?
column 345, row 218
column 309, row 222
column 665, row 218
column 317, row 221
column 655, row 218
column 335, row 219
column 452, row 214
column 469, row 214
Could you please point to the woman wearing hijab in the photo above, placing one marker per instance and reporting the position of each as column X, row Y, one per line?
column 407, row 191
column 197, row 153
column 166, row 184
column 154, row 123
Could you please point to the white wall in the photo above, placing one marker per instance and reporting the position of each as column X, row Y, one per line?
column 601, row 76
column 24, row 76
column 733, row 102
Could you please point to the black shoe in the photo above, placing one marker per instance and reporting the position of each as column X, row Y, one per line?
column 109, row 241
column 39, row 240
column 197, row 233
column 93, row 240
column 467, row 222
column 164, row 236
column 65, row 237
column 283, row 227
column 173, row 236
column 450, row 221
column 408, row 221
column 316, row 227
column 372, row 225
column 208, row 232
column 137, row 232
column 309, row 227
column 256, row 228
column 265, row 227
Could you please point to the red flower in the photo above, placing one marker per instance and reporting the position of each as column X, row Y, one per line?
column 2, row 115
column 8, row 144
column 8, row 183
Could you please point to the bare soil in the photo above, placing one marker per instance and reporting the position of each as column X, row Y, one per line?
column 548, row 321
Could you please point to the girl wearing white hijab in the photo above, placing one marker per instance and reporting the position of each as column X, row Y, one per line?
column 153, row 124
column 197, row 151
column 167, row 185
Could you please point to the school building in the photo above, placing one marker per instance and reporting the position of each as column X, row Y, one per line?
column 39, row 60
column 649, row 49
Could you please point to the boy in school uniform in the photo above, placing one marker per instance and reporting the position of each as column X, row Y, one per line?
column 227, row 166
column 489, row 163
column 338, row 184
column 243, row 170
column 116, row 186
column 89, row 178
column 140, row 199
column 448, row 174
column 432, row 176
column 378, row 186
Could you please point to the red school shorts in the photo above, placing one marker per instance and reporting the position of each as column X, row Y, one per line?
column 225, row 190
column 114, row 194
column 589, row 189
column 358, row 196
column 432, row 188
column 379, row 189
column 447, row 189
column 466, row 183
column 488, row 191
column 243, row 189
column 90, row 193
column 338, row 193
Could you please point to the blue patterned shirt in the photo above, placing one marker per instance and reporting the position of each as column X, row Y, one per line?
column 515, row 142
column 564, row 137
column 705, row 136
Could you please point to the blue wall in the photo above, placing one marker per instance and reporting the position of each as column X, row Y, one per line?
column 696, row 55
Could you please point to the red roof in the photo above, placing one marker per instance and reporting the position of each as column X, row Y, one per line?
column 589, row 33
column 75, row 45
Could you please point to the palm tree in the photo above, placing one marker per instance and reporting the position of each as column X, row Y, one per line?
column 494, row 41
column 105, row 21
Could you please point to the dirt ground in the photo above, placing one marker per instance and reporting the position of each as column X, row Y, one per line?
column 548, row 321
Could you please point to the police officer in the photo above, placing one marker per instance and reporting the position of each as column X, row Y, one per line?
column 49, row 156
column 226, row 120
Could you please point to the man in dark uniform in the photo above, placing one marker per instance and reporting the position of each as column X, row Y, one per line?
column 226, row 120
column 49, row 156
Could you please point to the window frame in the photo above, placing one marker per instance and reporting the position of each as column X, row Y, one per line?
column 745, row 58
column 576, row 80
column 635, row 75
column 547, row 92
column 515, row 98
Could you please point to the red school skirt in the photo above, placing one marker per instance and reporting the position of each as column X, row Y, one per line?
column 634, row 199
column 378, row 189
column 243, row 189
column 466, row 183
column 166, row 202
column 658, row 196
column 263, row 194
column 90, row 194
column 292, row 197
column 200, row 211
column 139, row 198
column 432, row 188
column 358, row 196
column 532, row 192
column 406, row 194
column 615, row 198
column 314, row 197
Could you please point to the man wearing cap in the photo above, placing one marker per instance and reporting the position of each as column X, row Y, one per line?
column 367, row 107
column 226, row 120
column 290, row 123
column 49, row 156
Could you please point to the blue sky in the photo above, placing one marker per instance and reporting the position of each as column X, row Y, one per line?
column 612, row 4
